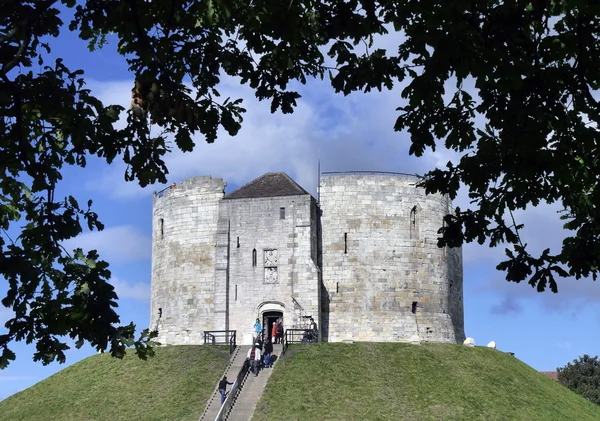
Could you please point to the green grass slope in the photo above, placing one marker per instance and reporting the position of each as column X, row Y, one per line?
column 370, row 381
column 174, row 385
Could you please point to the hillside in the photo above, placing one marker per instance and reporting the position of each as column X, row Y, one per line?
column 364, row 381
column 174, row 385
column 370, row 381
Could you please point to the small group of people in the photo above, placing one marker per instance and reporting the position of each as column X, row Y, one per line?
column 260, row 355
column 277, row 331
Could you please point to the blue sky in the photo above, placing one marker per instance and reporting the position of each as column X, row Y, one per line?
column 347, row 133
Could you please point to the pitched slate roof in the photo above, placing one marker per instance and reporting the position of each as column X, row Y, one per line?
column 271, row 184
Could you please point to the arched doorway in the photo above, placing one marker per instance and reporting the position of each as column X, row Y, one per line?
column 270, row 312
column 269, row 318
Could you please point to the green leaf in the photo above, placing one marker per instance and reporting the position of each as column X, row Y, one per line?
column 6, row 357
column 184, row 140
column 26, row 191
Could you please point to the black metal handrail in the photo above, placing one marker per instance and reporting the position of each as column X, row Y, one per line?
column 232, row 340
column 299, row 336
column 232, row 395
column 221, row 337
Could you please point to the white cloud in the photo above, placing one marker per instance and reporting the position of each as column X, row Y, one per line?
column 138, row 291
column 115, row 244
column 348, row 133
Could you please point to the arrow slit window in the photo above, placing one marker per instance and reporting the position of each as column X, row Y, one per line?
column 414, row 223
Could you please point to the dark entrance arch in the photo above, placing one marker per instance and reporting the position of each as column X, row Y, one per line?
column 269, row 317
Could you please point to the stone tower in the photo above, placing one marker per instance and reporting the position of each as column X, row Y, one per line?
column 363, row 262
column 386, row 278
column 184, row 232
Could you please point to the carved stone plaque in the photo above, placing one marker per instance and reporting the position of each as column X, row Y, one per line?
column 271, row 257
column 271, row 276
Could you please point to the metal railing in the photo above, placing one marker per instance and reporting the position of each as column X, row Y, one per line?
column 161, row 193
column 299, row 336
column 233, row 393
column 221, row 337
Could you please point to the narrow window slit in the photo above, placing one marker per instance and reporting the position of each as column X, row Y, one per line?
column 415, row 304
column 413, row 222
column 345, row 243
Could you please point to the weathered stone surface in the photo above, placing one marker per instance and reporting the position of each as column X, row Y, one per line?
column 383, row 273
column 365, row 264
column 184, row 234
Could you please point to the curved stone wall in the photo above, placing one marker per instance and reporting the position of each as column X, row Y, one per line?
column 384, row 277
column 184, row 231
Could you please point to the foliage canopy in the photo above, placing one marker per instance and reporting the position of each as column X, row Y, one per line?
column 529, row 69
column 582, row 376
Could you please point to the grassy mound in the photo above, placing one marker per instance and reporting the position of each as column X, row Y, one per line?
column 174, row 385
column 369, row 381
column 363, row 381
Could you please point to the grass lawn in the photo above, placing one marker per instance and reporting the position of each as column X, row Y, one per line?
column 384, row 381
column 174, row 385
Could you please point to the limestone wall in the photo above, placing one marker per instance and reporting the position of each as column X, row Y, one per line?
column 184, row 228
column 384, row 277
column 285, row 259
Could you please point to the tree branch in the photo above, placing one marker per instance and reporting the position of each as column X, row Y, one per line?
column 140, row 31
column 515, row 225
column 11, row 64
column 24, row 26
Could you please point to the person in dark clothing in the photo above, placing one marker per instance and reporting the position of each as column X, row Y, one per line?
column 313, row 326
column 268, row 352
column 223, row 387
column 280, row 332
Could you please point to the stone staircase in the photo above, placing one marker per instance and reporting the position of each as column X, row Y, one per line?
column 252, row 389
column 235, row 365
column 250, row 392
